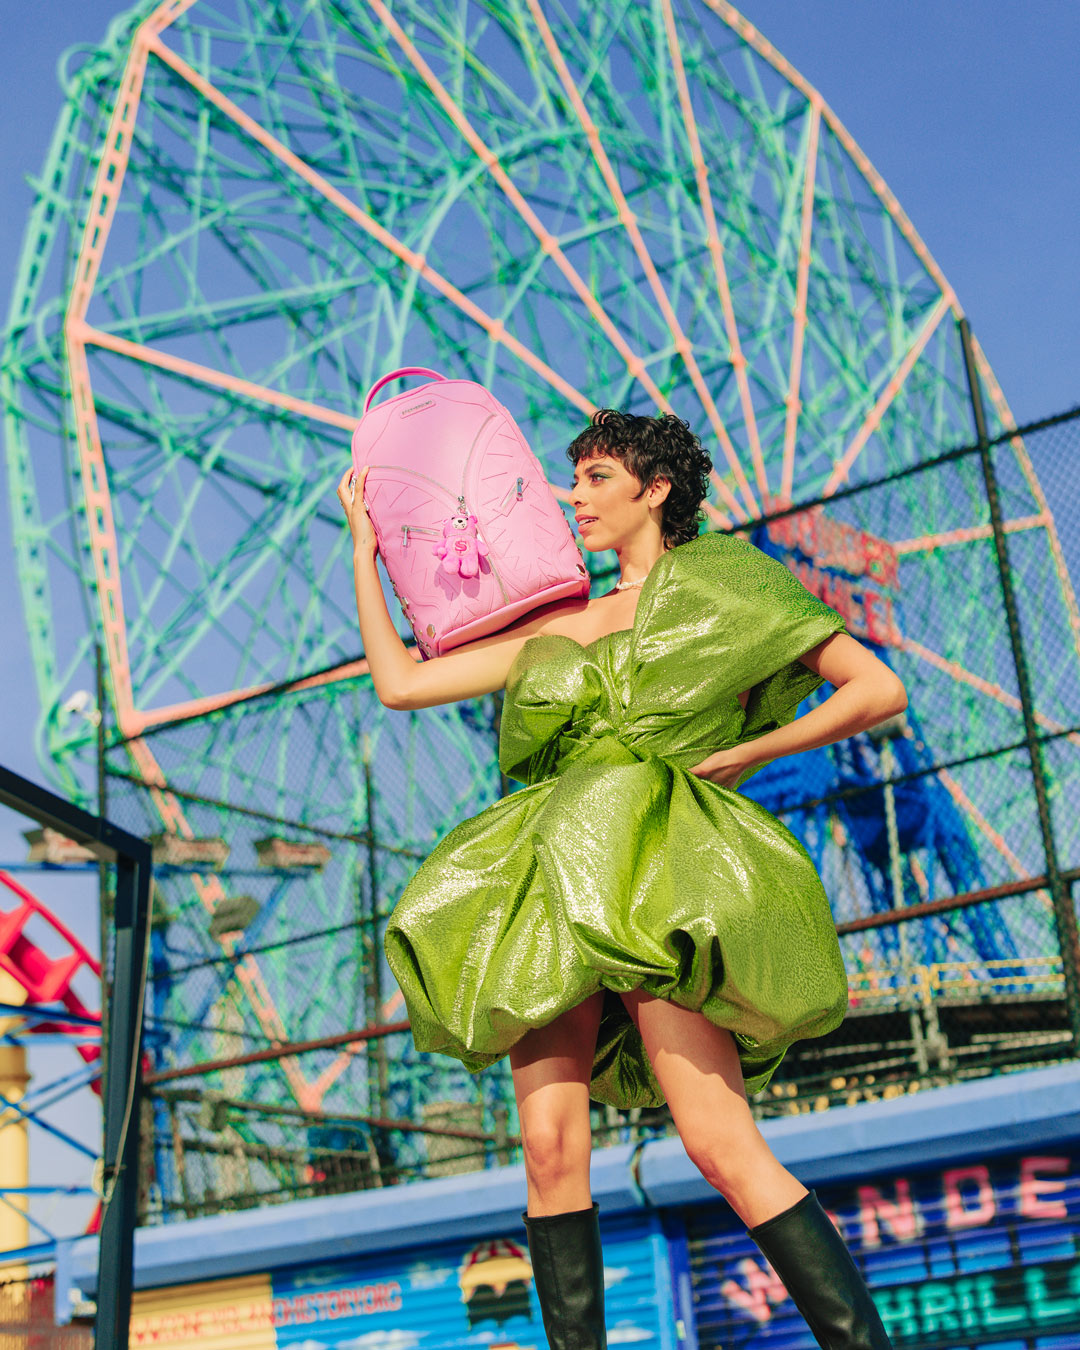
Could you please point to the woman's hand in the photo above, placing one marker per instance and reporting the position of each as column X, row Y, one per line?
column 363, row 532
column 725, row 766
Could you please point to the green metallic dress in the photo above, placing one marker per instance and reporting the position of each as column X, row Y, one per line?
column 615, row 867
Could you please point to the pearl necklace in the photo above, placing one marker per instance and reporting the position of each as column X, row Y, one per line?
column 623, row 585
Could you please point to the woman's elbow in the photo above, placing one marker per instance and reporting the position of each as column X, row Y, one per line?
column 395, row 699
column 400, row 701
column 881, row 696
column 893, row 697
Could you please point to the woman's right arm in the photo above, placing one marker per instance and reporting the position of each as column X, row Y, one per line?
column 400, row 681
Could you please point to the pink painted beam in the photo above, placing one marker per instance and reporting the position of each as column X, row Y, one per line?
column 802, row 283
column 1031, row 478
column 925, row 543
column 716, row 250
column 99, row 518
column 210, row 892
column 628, row 220
column 200, row 707
column 548, row 242
column 493, row 327
column 746, row 30
column 102, row 530
column 207, row 375
column 995, row 837
column 895, row 383
column 964, row 676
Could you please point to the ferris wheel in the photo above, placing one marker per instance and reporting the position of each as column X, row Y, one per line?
column 250, row 212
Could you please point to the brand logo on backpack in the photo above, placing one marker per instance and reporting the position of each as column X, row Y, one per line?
column 417, row 407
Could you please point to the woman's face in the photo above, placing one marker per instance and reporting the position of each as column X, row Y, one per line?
column 603, row 489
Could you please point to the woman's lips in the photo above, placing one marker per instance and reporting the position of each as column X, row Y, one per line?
column 584, row 524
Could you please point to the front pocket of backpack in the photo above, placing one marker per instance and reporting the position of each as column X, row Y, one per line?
column 424, row 532
column 510, row 498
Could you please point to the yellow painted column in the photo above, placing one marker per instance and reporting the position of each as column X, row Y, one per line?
column 231, row 1314
column 14, row 1146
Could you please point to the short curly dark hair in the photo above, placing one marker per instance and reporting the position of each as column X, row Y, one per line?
column 650, row 448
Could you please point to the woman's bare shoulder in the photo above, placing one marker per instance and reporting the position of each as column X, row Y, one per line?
column 482, row 666
column 557, row 616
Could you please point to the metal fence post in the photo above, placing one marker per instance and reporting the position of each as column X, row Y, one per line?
column 134, row 865
column 123, row 1097
column 1060, row 894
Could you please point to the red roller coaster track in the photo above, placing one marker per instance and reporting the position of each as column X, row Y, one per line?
column 48, row 979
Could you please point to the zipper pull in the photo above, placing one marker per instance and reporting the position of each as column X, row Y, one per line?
column 404, row 536
column 519, row 482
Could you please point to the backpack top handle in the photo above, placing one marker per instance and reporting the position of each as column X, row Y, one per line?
column 397, row 375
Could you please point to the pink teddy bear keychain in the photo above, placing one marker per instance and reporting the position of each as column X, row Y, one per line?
column 459, row 548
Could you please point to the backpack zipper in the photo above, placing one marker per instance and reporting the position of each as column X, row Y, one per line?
column 514, row 487
column 406, row 530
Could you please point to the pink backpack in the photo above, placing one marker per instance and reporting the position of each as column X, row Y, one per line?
column 468, row 529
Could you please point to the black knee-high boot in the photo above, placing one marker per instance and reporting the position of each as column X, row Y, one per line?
column 804, row 1248
column 568, row 1272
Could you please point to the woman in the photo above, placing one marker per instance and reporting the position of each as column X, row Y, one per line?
column 629, row 927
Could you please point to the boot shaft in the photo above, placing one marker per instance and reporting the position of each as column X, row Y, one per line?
column 804, row 1248
column 568, row 1275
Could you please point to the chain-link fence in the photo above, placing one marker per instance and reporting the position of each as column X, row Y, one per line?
column 279, row 1061
column 955, row 825
column 26, row 1316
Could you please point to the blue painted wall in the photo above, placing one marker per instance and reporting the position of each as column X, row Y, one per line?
column 658, row 1216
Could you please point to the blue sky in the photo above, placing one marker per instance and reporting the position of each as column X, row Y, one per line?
column 969, row 109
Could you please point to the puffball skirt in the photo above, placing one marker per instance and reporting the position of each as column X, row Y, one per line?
column 616, row 868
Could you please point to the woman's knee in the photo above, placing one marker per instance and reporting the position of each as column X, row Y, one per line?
column 551, row 1067
column 555, row 1147
column 724, row 1151
column 553, row 1111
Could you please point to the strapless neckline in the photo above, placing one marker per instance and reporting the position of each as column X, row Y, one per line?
column 662, row 564
column 617, row 632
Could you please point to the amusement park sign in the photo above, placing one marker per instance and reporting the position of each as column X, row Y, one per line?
column 852, row 570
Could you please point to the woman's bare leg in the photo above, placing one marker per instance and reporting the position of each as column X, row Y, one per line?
column 697, row 1066
column 552, row 1066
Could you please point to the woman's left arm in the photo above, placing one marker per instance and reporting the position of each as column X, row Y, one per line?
column 867, row 692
